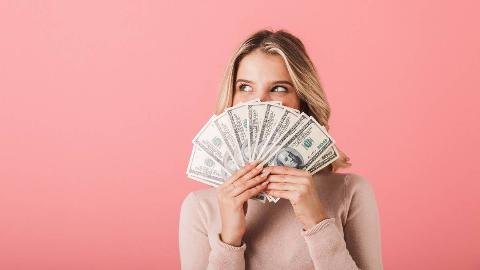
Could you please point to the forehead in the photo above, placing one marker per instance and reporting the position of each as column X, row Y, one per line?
column 259, row 66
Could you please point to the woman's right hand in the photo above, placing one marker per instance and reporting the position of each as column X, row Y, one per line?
column 232, row 197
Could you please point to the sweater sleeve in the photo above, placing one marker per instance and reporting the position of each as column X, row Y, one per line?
column 360, row 248
column 197, row 251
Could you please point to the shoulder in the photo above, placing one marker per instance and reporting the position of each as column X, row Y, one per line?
column 358, row 185
column 360, row 198
column 202, row 196
column 199, row 202
column 353, row 189
column 351, row 182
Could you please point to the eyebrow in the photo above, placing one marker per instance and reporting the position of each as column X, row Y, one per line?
column 247, row 81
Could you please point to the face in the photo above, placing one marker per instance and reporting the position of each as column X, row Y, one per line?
column 287, row 159
column 264, row 76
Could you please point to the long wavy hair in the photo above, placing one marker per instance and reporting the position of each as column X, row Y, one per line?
column 300, row 68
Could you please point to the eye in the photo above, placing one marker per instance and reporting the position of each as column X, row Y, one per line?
column 243, row 89
column 281, row 89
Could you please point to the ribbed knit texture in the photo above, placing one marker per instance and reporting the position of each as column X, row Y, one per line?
column 349, row 238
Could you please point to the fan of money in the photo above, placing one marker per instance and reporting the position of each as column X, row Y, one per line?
column 267, row 131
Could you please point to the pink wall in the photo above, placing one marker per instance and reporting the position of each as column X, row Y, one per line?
column 99, row 102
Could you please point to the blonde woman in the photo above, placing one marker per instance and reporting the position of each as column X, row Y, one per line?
column 328, row 220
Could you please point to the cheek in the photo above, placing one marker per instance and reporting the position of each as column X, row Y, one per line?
column 243, row 97
column 238, row 98
column 291, row 101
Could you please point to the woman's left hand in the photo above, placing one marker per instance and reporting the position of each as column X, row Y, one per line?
column 298, row 187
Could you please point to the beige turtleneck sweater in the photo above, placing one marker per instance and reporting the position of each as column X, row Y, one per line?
column 348, row 239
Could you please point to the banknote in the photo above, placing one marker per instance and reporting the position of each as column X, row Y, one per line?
column 225, row 128
column 256, row 113
column 302, row 119
column 227, row 132
column 211, row 141
column 238, row 116
column 267, row 131
column 303, row 148
column 259, row 197
column 325, row 159
column 203, row 165
column 204, row 169
column 287, row 121
column 272, row 116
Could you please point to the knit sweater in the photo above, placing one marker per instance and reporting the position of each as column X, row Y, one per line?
column 349, row 238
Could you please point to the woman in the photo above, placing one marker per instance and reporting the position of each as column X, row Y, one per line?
column 328, row 220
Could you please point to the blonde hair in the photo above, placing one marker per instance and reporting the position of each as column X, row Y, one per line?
column 300, row 68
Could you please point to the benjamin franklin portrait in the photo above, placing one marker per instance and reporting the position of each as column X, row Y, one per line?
column 289, row 157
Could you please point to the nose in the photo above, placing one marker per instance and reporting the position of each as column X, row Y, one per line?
column 264, row 95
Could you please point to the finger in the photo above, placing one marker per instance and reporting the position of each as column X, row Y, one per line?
column 250, row 174
column 278, row 178
column 284, row 194
column 239, row 173
column 247, row 194
column 247, row 178
column 284, row 186
column 288, row 170
column 240, row 187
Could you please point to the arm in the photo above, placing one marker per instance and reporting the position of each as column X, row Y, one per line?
column 361, row 248
column 196, row 252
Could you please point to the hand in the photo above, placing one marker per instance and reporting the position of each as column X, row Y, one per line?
column 297, row 186
column 232, row 197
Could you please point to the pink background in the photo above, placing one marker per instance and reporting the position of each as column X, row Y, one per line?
column 99, row 101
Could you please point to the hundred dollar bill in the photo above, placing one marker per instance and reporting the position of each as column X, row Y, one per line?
column 230, row 126
column 272, row 116
column 301, row 121
column 204, row 166
column 256, row 112
column 303, row 148
column 210, row 140
column 287, row 121
column 239, row 120
column 204, row 169
column 289, row 133
column 325, row 159
column 259, row 197
column 227, row 131
column 203, row 180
